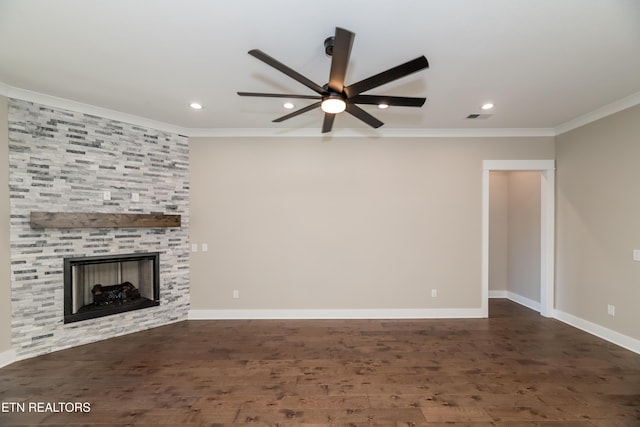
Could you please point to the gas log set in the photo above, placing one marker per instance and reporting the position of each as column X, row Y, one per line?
column 132, row 283
column 111, row 296
column 114, row 294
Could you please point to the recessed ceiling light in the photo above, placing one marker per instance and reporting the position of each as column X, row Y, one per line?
column 288, row 105
column 487, row 106
column 196, row 106
column 383, row 106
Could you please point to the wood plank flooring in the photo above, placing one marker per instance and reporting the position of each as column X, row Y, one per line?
column 514, row 369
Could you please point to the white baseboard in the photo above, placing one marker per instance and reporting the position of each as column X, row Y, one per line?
column 409, row 313
column 607, row 334
column 529, row 303
column 7, row 357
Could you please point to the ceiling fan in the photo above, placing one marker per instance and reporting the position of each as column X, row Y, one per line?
column 334, row 97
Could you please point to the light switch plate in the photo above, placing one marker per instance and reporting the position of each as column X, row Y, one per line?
column 636, row 254
column 106, row 195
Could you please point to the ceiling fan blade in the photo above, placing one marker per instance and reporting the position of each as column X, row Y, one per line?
column 286, row 70
column 395, row 101
column 279, row 95
column 298, row 112
column 327, row 124
column 387, row 76
column 358, row 112
column 343, row 41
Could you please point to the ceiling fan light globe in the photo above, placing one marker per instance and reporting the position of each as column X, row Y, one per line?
column 333, row 105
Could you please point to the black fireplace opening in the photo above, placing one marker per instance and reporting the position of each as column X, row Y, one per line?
column 100, row 286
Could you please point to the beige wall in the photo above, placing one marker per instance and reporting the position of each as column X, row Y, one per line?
column 5, row 277
column 598, row 221
column 514, row 227
column 344, row 223
column 498, row 230
column 523, row 272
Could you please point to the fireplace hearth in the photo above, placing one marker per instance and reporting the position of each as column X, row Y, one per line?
column 104, row 285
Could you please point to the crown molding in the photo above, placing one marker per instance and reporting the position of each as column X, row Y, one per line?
column 377, row 133
column 54, row 101
column 67, row 104
column 600, row 113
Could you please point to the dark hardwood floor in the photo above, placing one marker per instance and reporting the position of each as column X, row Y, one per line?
column 513, row 369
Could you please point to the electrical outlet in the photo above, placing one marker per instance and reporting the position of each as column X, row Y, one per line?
column 194, row 247
column 106, row 195
column 611, row 310
column 236, row 294
column 434, row 293
column 135, row 197
column 205, row 247
column 636, row 254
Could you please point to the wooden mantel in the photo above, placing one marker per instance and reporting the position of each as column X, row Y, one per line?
column 101, row 220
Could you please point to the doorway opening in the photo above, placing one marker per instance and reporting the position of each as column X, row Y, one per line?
column 546, row 169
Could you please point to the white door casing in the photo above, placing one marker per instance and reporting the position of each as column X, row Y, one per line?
column 547, row 227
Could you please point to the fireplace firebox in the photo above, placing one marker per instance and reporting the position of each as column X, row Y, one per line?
column 100, row 286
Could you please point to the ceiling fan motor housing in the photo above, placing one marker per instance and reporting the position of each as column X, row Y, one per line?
column 329, row 42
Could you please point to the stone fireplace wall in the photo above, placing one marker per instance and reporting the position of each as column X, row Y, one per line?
column 63, row 161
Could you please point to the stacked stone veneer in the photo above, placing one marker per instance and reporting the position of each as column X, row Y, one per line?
column 63, row 161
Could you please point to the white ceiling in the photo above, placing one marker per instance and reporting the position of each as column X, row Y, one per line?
column 543, row 63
